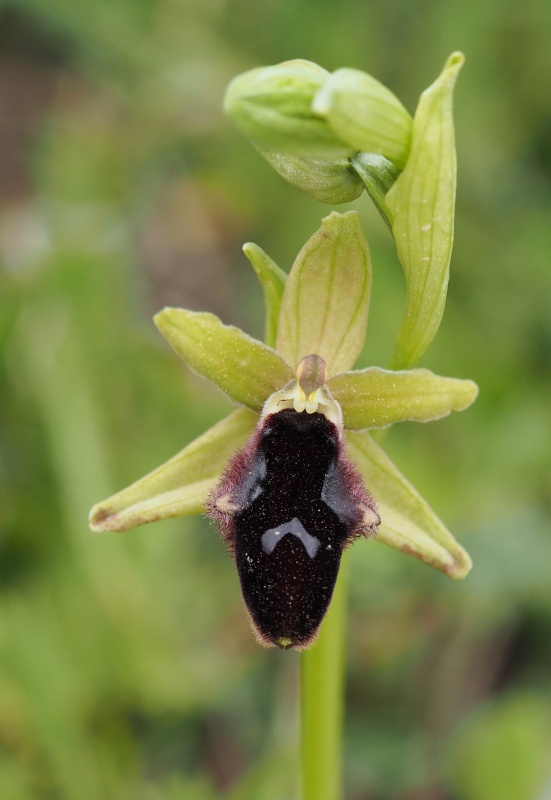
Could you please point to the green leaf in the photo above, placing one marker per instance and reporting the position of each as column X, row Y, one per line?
column 331, row 182
column 365, row 114
column 273, row 281
column 243, row 367
column 422, row 202
column 273, row 107
column 376, row 398
column 378, row 175
column 407, row 522
column 326, row 298
column 181, row 485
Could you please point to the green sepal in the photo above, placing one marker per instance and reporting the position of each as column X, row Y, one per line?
column 376, row 398
column 273, row 107
column 365, row 114
column 422, row 203
column 245, row 369
column 182, row 484
column 273, row 281
column 331, row 182
column 408, row 523
column 326, row 299
column 378, row 175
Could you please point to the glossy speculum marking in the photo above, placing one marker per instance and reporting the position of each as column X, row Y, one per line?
column 288, row 504
column 273, row 536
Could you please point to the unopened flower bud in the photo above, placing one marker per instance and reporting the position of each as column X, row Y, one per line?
column 331, row 182
column 273, row 107
column 365, row 114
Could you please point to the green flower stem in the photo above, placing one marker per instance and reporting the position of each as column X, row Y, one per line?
column 322, row 703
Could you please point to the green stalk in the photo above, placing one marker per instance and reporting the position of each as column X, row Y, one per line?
column 322, row 703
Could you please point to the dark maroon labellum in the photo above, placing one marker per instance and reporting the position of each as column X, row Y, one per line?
column 288, row 504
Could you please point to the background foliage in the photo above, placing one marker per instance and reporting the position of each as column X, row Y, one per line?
column 127, row 669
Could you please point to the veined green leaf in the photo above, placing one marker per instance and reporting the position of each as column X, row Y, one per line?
column 244, row 368
column 422, row 203
column 273, row 281
column 181, row 485
column 326, row 298
column 376, row 398
column 407, row 522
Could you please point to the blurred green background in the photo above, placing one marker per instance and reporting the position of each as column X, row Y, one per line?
column 127, row 668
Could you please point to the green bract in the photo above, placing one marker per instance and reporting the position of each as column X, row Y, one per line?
column 321, row 308
column 422, row 204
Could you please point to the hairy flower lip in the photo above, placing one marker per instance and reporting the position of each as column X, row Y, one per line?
column 288, row 504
